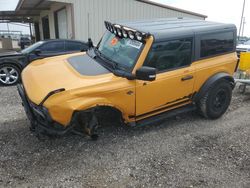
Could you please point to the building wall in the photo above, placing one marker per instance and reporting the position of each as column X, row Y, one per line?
column 89, row 15
column 55, row 7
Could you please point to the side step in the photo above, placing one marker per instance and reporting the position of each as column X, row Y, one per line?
column 165, row 115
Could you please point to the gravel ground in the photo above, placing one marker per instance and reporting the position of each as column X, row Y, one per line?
column 185, row 151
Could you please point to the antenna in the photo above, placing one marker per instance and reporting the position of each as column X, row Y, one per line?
column 88, row 27
column 242, row 15
column 243, row 26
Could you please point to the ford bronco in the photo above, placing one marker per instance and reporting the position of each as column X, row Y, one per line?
column 143, row 70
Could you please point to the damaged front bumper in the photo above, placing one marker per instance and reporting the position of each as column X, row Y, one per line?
column 40, row 119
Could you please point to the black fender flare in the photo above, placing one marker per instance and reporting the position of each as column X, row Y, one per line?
column 211, row 81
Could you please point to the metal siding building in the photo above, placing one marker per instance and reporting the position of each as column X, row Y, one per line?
column 80, row 19
column 90, row 14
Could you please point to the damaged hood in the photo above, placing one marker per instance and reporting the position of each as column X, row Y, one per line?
column 67, row 72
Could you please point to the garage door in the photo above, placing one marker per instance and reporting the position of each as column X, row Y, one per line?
column 61, row 24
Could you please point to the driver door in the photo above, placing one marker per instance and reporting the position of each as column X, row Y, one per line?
column 174, row 82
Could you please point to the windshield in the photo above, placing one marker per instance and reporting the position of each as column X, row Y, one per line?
column 247, row 42
column 122, row 51
column 32, row 47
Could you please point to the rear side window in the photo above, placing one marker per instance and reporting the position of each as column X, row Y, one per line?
column 170, row 55
column 75, row 46
column 215, row 44
column 56, row 46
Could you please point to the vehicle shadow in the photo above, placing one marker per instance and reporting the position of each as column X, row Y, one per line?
column 111, row 130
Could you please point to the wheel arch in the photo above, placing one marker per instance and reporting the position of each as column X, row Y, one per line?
column 11, row 62
column 99, row 105
column 211, row 81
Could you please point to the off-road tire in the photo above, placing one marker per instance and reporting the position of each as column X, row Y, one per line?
column 209, row 106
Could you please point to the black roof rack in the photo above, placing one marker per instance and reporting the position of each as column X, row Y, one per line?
column 163, row 28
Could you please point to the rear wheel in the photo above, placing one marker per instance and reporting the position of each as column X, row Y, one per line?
column 9, row 75
column 216, row 100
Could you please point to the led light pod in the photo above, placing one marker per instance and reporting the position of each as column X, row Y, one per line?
column 139, row 36
column 124, row 33
column 131, row 35
column 119, row 32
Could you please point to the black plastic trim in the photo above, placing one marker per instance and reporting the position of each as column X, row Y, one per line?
column 48, row 125
column 165, row 115
column 211, row 81
column 50, row 94
column 164, row 108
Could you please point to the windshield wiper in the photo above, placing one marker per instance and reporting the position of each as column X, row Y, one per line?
column 111, row 62
column 115, row 69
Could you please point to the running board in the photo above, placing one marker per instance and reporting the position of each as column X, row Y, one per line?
column 165, row 115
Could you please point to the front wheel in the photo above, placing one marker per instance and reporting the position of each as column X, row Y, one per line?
column 9, row 75
column 216, row 100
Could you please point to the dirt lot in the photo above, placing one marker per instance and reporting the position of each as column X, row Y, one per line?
column 185, row 151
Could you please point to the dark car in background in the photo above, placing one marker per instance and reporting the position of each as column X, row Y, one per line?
column 24, row 41
column 12, row 63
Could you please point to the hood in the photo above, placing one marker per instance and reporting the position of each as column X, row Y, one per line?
column 10, row 54
column 70, row 72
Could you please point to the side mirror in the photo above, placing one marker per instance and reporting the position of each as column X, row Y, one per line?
column 90, row 43
column 37, row 52
column 146, row 73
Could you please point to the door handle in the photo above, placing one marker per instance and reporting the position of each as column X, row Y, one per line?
column 188, row 77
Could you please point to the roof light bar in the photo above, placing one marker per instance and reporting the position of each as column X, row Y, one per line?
column 131, row 35
column 125, row 32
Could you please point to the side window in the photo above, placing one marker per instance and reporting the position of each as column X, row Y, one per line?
column 170, row 55
column 75, row 46
column 215, row 44
column 53, row 47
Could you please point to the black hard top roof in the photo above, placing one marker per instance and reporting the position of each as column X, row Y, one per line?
column 163, row 28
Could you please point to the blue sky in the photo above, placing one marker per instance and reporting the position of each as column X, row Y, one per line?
column 228, row 11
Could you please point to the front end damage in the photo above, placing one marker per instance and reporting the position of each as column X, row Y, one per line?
column 41, row 122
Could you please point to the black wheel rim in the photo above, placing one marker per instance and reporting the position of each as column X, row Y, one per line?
column 220, row 100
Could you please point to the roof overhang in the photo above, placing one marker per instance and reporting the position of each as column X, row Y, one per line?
column 26, row 11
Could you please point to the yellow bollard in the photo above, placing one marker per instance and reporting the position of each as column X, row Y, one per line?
column 244, row 61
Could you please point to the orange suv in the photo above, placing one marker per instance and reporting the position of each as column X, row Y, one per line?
column 144, row 70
